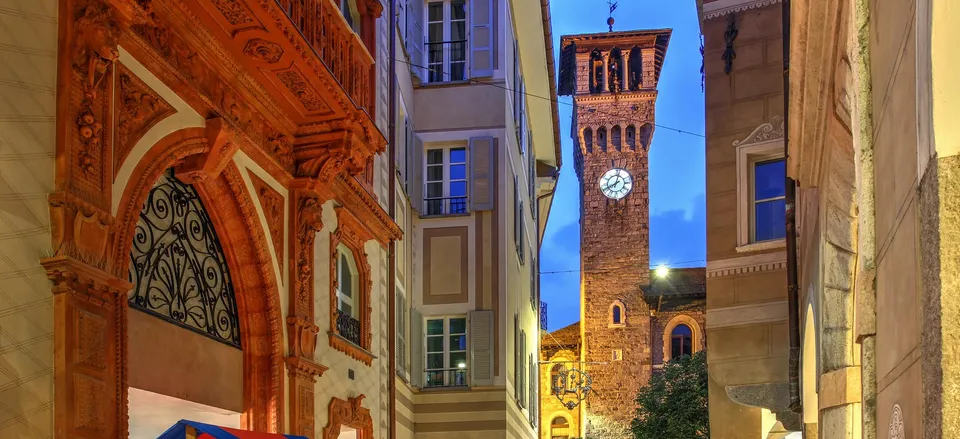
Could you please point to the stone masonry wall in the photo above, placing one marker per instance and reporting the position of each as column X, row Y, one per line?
column 615, row 259
column 695, row 310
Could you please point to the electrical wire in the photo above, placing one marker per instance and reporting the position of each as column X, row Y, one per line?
column 569, row 104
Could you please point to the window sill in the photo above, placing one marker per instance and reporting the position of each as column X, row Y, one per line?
column 616, row 325
column 353, row 351
column 425, row 84
column 446, row 215
column 445, row 388
column 762, row 246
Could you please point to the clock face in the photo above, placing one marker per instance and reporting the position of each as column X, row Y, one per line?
column 616, row 183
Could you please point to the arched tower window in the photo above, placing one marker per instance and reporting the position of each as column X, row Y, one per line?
column 615, row 71
column 646, row 134
column 559, row 428
column 588, row 139
column 615, row 137
column 602, row 138
column 596, row 71
column 681, row 341
column 631, row 134
column 557, row 377
column 617, row 314
column 177, row 264
column 635, row 76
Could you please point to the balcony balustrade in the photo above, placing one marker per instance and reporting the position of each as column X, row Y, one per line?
column 445, row 378
column 440, row 206
column 322, row 25
column 348, row 328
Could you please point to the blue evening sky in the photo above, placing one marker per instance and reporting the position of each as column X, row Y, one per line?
column 677, row 202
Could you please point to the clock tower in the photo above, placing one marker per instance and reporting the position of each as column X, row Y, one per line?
column 613, row 80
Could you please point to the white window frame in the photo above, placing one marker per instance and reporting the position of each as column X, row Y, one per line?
column 447, row 181
column 447, row 25
column 342, row 298
column 448, row 379
column 747, row 157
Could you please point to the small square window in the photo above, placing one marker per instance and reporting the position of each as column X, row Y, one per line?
column 618, row 355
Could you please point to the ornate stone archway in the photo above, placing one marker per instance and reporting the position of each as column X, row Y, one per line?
column 196, row 157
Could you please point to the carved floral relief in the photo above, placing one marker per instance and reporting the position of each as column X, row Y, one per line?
column 272, row 204
column 139, row 108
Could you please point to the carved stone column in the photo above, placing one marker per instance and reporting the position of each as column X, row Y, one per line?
column 90, row 308
column 625, row 70
column 606, row 72
column 302, row 370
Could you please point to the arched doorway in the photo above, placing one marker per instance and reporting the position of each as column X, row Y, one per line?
column 225, row 355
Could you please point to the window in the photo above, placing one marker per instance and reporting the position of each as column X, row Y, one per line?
column 446, row 352
column 761, row 186
column 767, row 199
column 681, row 341
column 446, row 181
column 350, row 12
column 348, row 300
column 559, row 428
column 521, row 390
column 617, row 355
column 558, row 379
column 446, row 40
column 617, row 315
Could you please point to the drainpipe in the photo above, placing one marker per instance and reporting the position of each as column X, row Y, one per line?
column 790, row 195
column 392, row 211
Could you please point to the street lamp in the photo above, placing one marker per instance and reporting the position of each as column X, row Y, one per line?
column 662, row 271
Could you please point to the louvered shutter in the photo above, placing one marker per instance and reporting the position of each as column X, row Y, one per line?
column 481, row 348
column 415, row 168
column 523, row 369
column 517, row 358
column 482, row 163
column 401, row 308
column 534, row 401
column 416, row 348
column 482, row 16
column 415, row 36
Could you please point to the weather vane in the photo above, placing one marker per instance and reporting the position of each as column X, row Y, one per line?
column 613, row 7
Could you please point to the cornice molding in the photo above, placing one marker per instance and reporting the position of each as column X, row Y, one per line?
column 747, row 264
column 720, row 8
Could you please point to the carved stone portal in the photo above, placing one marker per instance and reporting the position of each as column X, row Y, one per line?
column 349, row 413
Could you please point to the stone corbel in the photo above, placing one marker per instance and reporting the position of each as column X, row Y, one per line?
column 222, row 139
column 322, row 157
column 771, row 396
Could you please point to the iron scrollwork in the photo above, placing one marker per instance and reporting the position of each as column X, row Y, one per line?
column 348, row 327
column 177, row 264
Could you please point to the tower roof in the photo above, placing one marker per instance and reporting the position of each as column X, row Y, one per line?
column 570, row 45
column 690, row 283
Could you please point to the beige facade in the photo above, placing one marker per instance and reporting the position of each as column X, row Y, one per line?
column 477, row 175
column 873, row 154
column 746, row 262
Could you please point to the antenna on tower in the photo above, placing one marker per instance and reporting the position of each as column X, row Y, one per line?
column 613, row 7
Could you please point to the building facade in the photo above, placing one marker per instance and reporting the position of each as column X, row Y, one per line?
column 876, row 167
column 871, row 150
column 480, row 167
column 198, row 216
column 613, row 79
column 746, row 256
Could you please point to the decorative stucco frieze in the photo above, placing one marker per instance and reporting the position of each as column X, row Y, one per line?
column 720, row 8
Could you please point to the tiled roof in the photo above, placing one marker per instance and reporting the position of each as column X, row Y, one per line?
column 679, row 282
column 568, row 336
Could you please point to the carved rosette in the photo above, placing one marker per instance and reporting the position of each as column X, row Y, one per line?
column 263, row 50
column 348, row 413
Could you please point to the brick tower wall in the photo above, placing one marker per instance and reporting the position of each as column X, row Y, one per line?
column 615, row 260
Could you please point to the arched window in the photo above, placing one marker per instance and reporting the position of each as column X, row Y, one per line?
column 631, row 134
column 615, row 137
column 636, row 69
column 617, row 314
column 177, row 265
column 681, row 341
column 615, row 71
column 596, row 71
column 559, row 428
column 347, row 282
column 557, row 378
column 588, row 139
column 602, row 138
